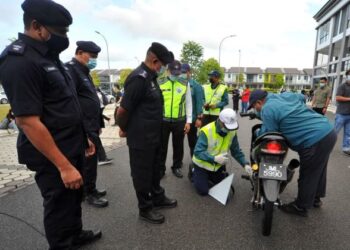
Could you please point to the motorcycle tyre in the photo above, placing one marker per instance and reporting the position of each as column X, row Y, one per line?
column 267, row 220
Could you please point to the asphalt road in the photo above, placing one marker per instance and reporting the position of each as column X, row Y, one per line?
column 197, row 222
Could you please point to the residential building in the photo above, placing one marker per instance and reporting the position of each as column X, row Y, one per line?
column 332, row 49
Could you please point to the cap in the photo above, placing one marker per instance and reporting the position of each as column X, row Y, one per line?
column 214, row 73
column 47, row 12
column 185, row 67
column 255, row 96
column 175, row 68
column 88, row 46
column 229, row 118
column 163, row 54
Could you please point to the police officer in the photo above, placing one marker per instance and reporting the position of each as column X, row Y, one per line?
column 177, row 117
column 51, row 141
column 140, row 120
column 216, row 97
column 79, row 68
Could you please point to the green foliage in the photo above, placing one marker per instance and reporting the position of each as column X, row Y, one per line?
column 273, row 81
column 206, row 67
column 192, row 53
column 124, row 73
column 4, row 109
column 279, row 81
column 95, row 78
column 240, row 78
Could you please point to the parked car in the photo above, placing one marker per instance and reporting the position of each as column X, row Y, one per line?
column 3, row 98
column 111, row 98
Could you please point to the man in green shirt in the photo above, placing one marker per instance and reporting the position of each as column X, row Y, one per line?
column 322, row 97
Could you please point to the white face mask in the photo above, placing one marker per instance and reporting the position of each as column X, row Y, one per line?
column 348, row 77
column 322, row 85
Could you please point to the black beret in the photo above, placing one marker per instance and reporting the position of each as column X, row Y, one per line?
column 47, row 12
column 88, row 46
column 163, row 54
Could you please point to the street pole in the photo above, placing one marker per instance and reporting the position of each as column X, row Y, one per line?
column 239, row 67
column 220, row 46
column 109, row 68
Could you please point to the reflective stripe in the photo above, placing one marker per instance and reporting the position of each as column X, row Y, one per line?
column 213, row 96
column 216, row 145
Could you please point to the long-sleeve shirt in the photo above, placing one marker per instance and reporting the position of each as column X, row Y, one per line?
column 188, row 104
column 287, row 113
column 198, row 99
column 201, row 149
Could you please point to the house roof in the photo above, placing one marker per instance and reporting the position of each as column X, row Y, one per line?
column 325, row 9
column 291, row 71
column 274, row 70
column 253, row 70
column 235, row 70
column 107, row 72
column 308, row 71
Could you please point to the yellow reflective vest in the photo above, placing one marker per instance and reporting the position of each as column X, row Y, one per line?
column 174, row 94
column 216, row 145
column 213, row 96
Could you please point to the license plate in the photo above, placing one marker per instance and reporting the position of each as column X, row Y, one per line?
column 273, row 171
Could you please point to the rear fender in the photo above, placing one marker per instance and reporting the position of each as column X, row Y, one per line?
column 271, row 189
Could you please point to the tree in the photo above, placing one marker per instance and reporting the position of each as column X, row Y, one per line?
column 240, row 78
column 95, row 79
column 279, row 81
column 206, row 67
column 192, row 53
column 124, row 73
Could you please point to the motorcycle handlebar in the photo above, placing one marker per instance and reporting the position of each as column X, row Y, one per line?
column 251, row 115
column 245, row 176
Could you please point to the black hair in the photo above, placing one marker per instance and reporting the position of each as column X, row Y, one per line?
column 347, row 72
column 27, row 20
column 324, row 79
column 76, row 50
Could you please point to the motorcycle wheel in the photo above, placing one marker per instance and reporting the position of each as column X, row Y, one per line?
column 267, row 220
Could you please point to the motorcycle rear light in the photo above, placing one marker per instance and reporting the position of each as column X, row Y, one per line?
column 273, row 147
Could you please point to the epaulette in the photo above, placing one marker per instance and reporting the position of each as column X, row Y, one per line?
column 71, row 62
column 16, row 48
column 143, row 73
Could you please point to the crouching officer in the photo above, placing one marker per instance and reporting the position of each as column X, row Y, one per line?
column 51, row 140
column 140, row 120
column 79, row 67
column 210, row 153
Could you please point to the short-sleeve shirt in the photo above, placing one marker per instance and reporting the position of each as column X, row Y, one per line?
column 143, row 100
column 38, row 84
column 343, row 107
column 321, row 95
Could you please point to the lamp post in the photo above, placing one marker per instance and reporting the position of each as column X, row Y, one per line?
column 221, row 44
column 109, row 68
column 239, row 67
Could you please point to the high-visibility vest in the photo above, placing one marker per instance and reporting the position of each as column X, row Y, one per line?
column 217, row 144
column 174, row 94
column 213, row 96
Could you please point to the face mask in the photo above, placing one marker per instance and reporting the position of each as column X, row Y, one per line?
column 57, row 43
column 173, row 78
column 161, row 70
column 92, row 63
column 257, row 113
column 348, row 78
column 211, row 80
column 322, row 85
column 224, row 130
column 183, row 77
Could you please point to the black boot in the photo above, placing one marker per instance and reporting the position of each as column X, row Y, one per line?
column 165, row 203
column 95, row 200
column 151, row 216
column 86, row 237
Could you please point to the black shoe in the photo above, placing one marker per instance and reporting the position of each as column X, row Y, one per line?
column 105, row 162
column 292, row 208
column 317, row 202
column 347, row 152
column 96, row 201
column 100, row 192
column 165, row 203
column 190, row 172
column 152, row 216
column 86, row 237
column 177, row 172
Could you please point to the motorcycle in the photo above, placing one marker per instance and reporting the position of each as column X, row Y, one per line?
column 270, row 175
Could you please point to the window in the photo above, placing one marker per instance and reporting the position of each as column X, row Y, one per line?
column 324, row 33
column 306, row 78
column 228, row 75
column 260, row 77
column 299, row 77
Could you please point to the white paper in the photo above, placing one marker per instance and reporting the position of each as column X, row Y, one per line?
column 221, row 190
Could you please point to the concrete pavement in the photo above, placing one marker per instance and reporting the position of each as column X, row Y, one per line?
column 197, row 222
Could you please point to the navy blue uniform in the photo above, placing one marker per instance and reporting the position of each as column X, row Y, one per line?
column 144, row 102
column 38, row 84
column 92, row 117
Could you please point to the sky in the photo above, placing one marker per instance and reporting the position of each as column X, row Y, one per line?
column 269, row 33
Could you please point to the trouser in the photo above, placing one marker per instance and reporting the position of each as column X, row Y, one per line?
column 101, row 153
column 145, row 174
column 343, row 121
column 62, row 206
column 208, row 119
column 90, row 166
column 235, row 105
column 192, row 138
column 318, row 110
column 204, row 179
column 244, row 107
column 313, row 170
column 178, row 135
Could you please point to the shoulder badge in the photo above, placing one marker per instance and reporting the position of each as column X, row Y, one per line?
column 143, row 73
column 16, row 48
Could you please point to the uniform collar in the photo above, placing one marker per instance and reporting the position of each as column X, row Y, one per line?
column 41, row 47
column 151, row 73
column 83, row 67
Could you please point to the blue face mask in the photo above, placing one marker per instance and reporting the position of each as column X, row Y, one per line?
column 161, row 71
column 257, row 113
column 224, row 130
column 92, row 63
column 173, row 78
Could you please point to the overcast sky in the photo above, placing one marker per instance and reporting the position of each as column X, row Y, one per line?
column 269, row 33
